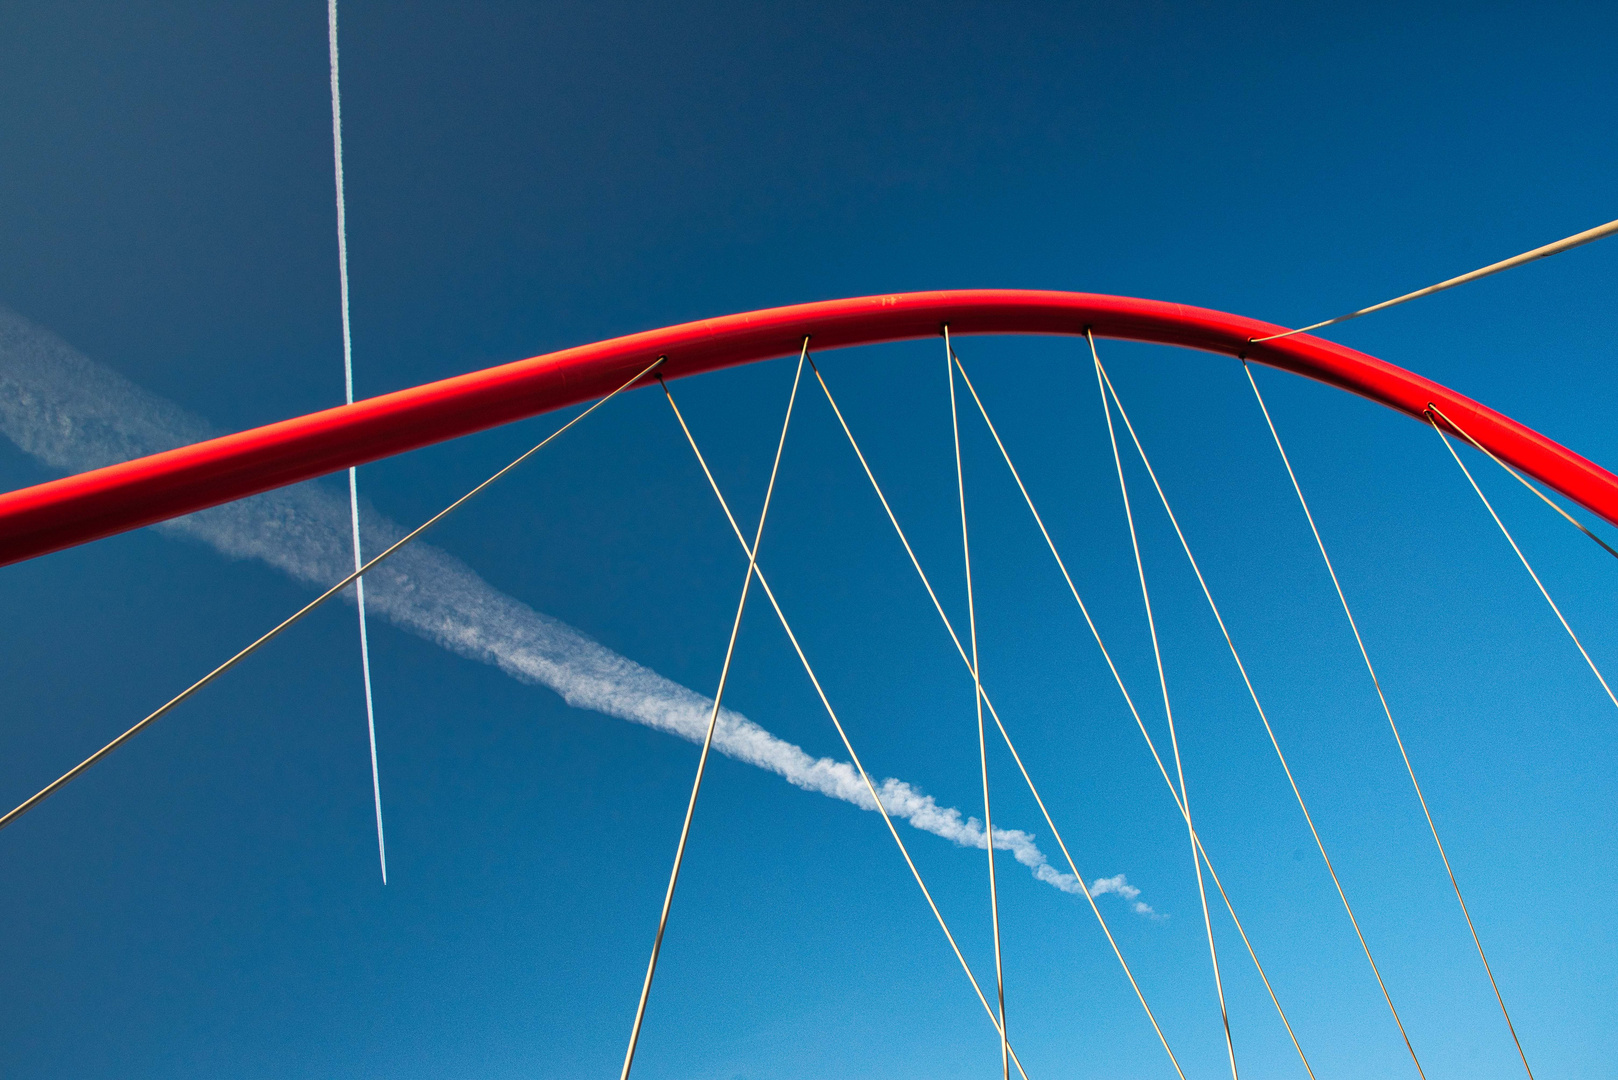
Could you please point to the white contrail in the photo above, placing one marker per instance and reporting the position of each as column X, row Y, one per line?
column 73, row 414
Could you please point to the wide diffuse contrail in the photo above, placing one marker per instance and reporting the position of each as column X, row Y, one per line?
column 73, row 414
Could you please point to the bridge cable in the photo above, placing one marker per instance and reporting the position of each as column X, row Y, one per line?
column 1252, row 693
column 842, row 734
column 1370, row 668
column 977, row 696
column 713, row 721
column 1168, row 710
column 1487, row 505
column 1442, row 854
column 1576, row 240
column 56, row 785
column 1062, row 566
column 1524, row 481
column 348, row 389
column 1524, row 559
column 988, row 703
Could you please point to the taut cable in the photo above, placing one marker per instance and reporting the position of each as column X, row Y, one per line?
column 713, row 721
column 1168, row 710
column 1085, row 611
column 1376, row 682
column 1241, row 667
column 977, row 698
column 843, row 735
column 1521, row 557
column 1523, row 480
column 988, row 703
column 1475, row 939
column 1252, row 691
column 56, row 785
column 1576, row 240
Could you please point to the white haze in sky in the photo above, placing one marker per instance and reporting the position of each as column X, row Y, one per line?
column 73, row 414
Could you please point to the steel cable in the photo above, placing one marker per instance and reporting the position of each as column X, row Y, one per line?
column 1576, row 240
column 1061, row 565
column 1524, row 481
column 56, row 785
column 977, row 698
column 713, row 720
column 1524, row 559
column 1487, row 505
column 1375, row 681
column 1168, row 711
column 843, row 735
column 1252, row 693
column 989, row 704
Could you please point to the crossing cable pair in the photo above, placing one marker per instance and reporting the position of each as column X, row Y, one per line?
column 1179, row 796
column 713, row 717
column 1382, row 698
column 977, row 698
column 1176, row 795
column 982, row 700
column 1104, row 385
column 1106, row 655
column 1436, row 414
column 988, row 703
column 56, row 785
column 1108, row 389
column 755, row 571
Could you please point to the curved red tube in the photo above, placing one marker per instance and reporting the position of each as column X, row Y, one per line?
column 76, row 509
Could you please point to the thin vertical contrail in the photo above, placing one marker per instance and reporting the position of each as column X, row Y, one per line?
column 348, row 391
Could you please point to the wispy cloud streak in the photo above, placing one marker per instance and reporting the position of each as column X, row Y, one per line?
column 72, row 414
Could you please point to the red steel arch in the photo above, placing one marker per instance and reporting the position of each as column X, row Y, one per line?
column 76, row 509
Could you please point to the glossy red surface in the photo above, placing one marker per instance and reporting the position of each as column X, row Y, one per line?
column 76, row 509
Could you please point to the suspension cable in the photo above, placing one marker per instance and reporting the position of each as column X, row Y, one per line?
column 348, row 390
column 1004, row 734
column 1524, row 559
column 1509, row 539
column 713, row 719
column 1168, row 710
column 55, row 785
column 1248, row 682
column 1576, row 240
column 1376, row 682
column 814, row 680
column 1525, row 482
column 1062, row 566
column 1252, row 693
column 977, row 697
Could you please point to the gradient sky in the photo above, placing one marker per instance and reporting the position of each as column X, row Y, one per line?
column 522, row 178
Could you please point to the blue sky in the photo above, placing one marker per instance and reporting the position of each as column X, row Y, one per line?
column 206, row 902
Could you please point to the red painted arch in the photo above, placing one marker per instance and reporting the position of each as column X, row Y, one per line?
column 76, row 509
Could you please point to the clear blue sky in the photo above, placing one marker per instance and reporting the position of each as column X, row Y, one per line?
column 523, row 178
